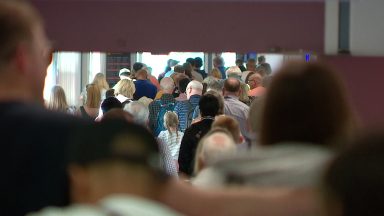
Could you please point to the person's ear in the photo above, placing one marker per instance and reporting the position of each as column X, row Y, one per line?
column 21, row 58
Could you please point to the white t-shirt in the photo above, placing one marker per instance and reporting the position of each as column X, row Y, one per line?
column 173, row 141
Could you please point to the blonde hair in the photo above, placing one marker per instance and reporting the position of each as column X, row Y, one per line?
column 171, row 120
column 243, row 97
column 125, row 87
column 216, row 73
column 57, row 100
column 229, row 123
column 100, row 81
column 93, row 96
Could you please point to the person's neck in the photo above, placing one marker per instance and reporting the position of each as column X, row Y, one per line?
column 167, row 92
column 230, row 94
column 172, row 129
column 19, row 93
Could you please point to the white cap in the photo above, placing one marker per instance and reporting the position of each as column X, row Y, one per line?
column 124, row 70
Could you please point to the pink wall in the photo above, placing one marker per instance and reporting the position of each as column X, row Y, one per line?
column 364, row 77
column 160, row 26
column 210, row 25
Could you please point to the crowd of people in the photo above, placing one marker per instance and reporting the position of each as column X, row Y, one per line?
column 235, row 141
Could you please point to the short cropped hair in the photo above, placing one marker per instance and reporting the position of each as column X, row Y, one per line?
column 183, row 83
column 195, row 85
column 198, row 62
column 139, row 112
column 110, row 103
column 209, row 105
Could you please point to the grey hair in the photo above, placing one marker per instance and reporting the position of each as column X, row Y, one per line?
column 139, row 111
column 213, row 84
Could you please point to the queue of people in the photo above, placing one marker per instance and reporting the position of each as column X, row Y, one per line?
column 136, row 149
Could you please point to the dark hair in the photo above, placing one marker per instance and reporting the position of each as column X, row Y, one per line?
column 198, row 62
column 218, row 60
column 183, row 83
column 116, row 140
column 209, row 105
column 306, row 102
column 137, row 66
column 261, row 59
column 232, row 85
column 239, row 61
column 110, row 93
column 110, row 103
column 355, row 179
column 187, row 69
column 190, row 61
column 220, row 98
column 178, row 69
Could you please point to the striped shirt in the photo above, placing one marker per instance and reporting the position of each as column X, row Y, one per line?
column 154, row 109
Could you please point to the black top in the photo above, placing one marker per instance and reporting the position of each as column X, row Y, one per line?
column 191, row 138
column 84, row 113
column 33, row 164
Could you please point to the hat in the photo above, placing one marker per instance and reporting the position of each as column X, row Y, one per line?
column 173, row 62
column 115, row 139
column 233, row 71
column 124, row 70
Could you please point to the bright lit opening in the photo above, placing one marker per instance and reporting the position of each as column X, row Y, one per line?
column 159, row 62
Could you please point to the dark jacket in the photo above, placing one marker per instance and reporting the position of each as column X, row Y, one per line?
column 191, row 138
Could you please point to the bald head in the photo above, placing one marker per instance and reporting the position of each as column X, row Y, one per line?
column 167, row 85
column 217, row 143
column 232, row 86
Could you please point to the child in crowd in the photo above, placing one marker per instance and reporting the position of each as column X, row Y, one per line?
column 172, row 136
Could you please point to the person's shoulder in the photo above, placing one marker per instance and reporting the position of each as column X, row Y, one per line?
column 33, row 112
column 162, row 134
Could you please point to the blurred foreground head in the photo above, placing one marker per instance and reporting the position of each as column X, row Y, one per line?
column 354, row 182
column 109, row 157
column 306, row 102
column 25, row 52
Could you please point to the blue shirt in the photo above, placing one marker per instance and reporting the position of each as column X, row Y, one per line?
column 222, row 70
column 182, row 109
column 144, row 88
column 169, row 73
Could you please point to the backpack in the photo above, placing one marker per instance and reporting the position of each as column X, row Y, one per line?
column 164, row 107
